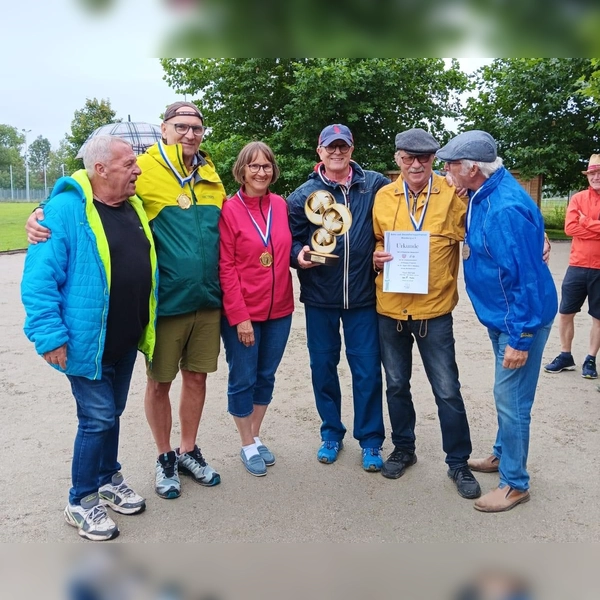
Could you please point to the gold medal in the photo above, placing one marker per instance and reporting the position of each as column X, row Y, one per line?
column 266, row 259
column 466, row 251
column 184, row 201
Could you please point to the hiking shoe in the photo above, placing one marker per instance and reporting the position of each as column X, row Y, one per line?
column 588, row 370
column 266, row 455
column 466, row 484
column 167, row 477
column 328, row 452
column 563, row 362
column 255, row 465
column 397, row 462
column 120, row 497
column 91, row 519
column 371, row 459
column 193, row 465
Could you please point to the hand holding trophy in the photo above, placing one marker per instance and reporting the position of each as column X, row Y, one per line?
column 334, row 219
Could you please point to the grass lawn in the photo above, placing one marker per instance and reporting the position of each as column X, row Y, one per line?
column 12, row 224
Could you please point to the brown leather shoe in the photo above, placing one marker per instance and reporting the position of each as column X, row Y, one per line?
column 484, row 465
column 501, row 499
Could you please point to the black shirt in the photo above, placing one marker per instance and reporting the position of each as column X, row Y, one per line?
column 131, row 279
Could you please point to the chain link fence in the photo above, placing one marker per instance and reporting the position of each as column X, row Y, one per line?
column 20, row 195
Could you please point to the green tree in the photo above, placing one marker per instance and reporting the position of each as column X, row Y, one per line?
column 286, row 103
column 38, row 159
column 94, row 114
column 11, row 142
column 542, row 123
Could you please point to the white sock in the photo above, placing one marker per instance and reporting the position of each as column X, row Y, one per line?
column 250, row 450
column 257, row 441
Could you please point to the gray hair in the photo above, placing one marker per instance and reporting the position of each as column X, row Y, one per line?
column 487, row 168
column 99, row 149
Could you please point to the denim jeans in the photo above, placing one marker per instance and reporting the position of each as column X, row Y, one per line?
column 252, row 369
column 362, row 352
column 435, row 340
column 514, row 392
column 100, row 404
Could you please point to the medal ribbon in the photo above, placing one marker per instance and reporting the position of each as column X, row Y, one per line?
column 183, row 181
column 267, row 234
column 419, row 225
column 468, row 219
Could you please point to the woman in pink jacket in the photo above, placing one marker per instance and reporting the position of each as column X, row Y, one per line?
column 254, row 270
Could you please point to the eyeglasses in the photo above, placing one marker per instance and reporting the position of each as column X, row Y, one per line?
column 255, row 168
column 409, row 159
column 182, row 129
column 343, row 148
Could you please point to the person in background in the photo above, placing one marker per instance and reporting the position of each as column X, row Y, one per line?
column 582, row 279
column 343, row 293
column 514, row 296
column 258, row 300
column 90, row 300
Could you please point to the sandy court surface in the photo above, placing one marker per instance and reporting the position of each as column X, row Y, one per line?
column 302, row 500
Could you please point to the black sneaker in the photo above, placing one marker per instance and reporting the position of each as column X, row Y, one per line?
column 466, row 484
column 397, row 462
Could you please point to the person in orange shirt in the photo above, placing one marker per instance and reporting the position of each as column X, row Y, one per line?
column 582, row 279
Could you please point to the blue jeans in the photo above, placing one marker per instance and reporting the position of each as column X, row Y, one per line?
column 514, row 392
column 362, row 352
column 252, row 369
column 100, row 404
column 435, row 340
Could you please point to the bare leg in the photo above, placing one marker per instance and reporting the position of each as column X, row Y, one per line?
column 595, row 337
column 158, row 413
column 566, row 331
column 257, row 417
column 191, row 404
column 244, row 427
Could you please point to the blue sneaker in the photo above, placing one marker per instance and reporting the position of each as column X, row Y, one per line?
column 588, row 370
column 255, row 465
column 266, row 455
column 371, row 459
column 563, row 362
column 328, row 452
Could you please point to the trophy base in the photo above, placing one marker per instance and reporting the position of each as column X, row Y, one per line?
column 321, row 259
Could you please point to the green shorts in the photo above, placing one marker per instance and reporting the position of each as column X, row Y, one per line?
column 190, row 342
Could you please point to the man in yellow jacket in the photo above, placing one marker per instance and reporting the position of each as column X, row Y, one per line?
column 422, row 201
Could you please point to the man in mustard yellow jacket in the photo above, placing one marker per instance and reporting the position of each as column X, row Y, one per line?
column 422, row 201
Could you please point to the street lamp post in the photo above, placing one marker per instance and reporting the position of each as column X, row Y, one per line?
column 26, row 131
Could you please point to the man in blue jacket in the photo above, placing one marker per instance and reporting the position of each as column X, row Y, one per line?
column 90, row 297
column 343, row 292
column 513, row 295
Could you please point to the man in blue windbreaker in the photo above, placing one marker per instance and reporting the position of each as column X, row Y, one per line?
column 90, row 297
column 513, row 295
column 344, row 292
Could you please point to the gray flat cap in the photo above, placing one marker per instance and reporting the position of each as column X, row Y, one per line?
column 416, row 141
column 474, row 145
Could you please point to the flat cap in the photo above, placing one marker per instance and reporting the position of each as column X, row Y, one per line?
column 475, row 145
column 416, row 141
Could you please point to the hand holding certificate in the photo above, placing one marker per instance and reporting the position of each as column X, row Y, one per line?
column 408, row 271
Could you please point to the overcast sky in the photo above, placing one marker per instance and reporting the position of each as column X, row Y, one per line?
column 54, row 57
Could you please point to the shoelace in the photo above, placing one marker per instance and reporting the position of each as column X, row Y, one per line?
column 372, row 451
column 330, row 445
column 466, row 474
column 124, row 489
column 197, row 456
column 398, row 456
column 97, row 514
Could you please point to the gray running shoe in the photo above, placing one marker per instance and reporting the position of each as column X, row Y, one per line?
column 193, row 464
column 120, row 497
column 91, row 519
column 167, row 477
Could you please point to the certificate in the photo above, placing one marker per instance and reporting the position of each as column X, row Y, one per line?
column 408, row 271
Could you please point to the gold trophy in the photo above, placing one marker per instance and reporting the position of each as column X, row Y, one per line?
column 334, row 219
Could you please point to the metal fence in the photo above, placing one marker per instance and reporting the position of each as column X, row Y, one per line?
column 20, row 195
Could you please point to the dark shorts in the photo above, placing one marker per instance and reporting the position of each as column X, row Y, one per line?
column 580, row 283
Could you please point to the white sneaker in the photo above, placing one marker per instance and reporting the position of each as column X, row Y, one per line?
column 91, row 519
column 120, row 497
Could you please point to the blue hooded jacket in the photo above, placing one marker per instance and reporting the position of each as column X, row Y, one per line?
column 66, row 280
column 509, row 284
